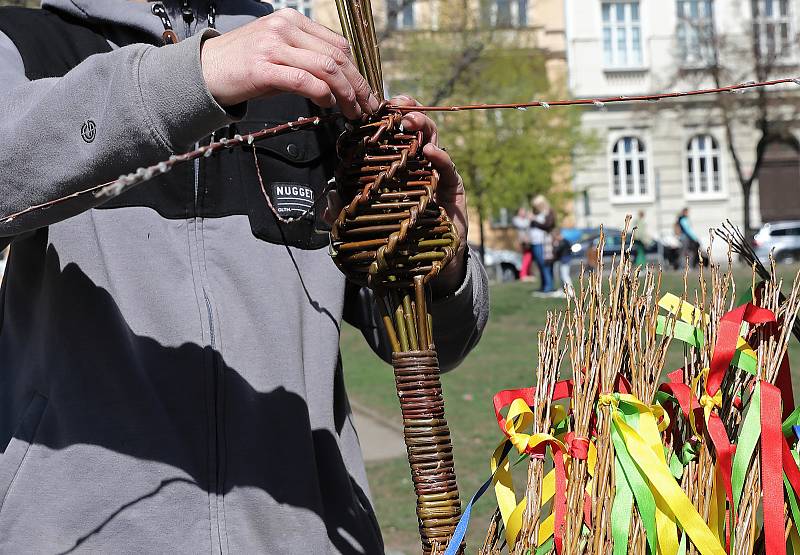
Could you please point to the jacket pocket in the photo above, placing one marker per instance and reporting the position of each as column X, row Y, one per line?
column 285, row 175
column 290, row 170
column 13, row 457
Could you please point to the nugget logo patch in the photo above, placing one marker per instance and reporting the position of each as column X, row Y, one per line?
column 293, row 200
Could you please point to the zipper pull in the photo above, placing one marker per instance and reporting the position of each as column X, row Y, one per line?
column 212, row 15
column 168, row 36
column 186, row 12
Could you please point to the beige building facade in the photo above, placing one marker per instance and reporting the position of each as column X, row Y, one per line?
column 660, row 158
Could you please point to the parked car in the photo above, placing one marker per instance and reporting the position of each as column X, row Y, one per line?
column 501, row 265
column 782, row 239
column 588, row 238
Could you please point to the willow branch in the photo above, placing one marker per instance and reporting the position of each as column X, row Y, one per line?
column 113, row 188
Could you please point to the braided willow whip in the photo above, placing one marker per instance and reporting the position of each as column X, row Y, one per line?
column 393, row 238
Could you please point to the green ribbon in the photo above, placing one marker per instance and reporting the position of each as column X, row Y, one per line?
column 621, row 510
column 676, row 466
column 791, row 421
column 546, row 547
column 744, row 362
column 628, row 478
column 682, row 545
column 793, row 506
column 746, row 446
column 680, row 330
column 693, row 336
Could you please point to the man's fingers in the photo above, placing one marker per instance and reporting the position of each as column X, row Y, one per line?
column 325, row 69
column 364, row 95
column 334, row 207
column 403, row 100
column 417, row 121
column 303, row 23
column 449, row 180
column 301, row 82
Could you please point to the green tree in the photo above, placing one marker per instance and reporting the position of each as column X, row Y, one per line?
column 504, row 156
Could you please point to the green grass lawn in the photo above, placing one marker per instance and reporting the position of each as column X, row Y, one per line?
column 505, row 358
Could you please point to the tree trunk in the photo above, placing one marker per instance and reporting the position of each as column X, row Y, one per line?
column 747, row 188
column 482, row 239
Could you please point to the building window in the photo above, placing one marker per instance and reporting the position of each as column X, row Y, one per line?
column 400, row 14
column 622, row 30
column 302, row 6
column 629, row 170
column 703, row 166
column 508, row 13
column 772, row 30
column 696, row 31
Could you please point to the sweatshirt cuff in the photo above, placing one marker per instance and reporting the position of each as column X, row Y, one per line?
column 175, row 96
column 460, row 317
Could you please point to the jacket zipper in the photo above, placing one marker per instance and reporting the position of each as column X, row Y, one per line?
column 217, row 485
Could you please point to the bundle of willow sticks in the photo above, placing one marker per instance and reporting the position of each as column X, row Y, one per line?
column 626, row 455
column 394, row 238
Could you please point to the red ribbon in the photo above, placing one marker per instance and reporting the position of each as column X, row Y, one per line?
column 771, row 471
column 502, row 399
column 727, row 337
column 790, row 467
column 560, row 497
column 578, row 448
column 562, row 390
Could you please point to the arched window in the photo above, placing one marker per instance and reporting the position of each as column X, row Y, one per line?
column 703, row 166
column 629, row 170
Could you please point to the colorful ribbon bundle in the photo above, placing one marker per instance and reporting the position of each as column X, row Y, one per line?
column 625, row 458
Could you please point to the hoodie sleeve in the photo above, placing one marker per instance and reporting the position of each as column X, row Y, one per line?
column 146, row 103
column 458, row 319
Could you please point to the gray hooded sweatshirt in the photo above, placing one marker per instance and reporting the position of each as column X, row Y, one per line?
column 169, row 384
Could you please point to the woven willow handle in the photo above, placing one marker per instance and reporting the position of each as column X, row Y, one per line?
column 430, row 452
column 393, row 237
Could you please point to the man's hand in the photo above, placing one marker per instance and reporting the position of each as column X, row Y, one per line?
column 450, row 194
column 285, row 52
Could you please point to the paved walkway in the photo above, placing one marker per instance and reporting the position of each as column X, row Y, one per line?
column 381, row 438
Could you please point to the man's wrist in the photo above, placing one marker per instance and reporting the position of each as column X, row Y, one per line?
column 451, row 277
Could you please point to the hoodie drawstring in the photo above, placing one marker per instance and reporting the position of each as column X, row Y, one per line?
column 169, row 36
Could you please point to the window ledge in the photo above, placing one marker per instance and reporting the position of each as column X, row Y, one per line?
column 623, row 69
column 705, row 197
column 632, row 200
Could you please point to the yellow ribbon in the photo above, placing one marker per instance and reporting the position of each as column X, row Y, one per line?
column 648, row 431
column 716, row 512
column 685, row 311
column 690, row 314
column 672, row 503
column 518, row 418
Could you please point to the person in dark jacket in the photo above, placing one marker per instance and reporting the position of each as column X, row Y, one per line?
column 170, row 375
column 690, row 245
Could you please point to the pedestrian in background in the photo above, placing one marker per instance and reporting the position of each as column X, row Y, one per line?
column 522, row 222
column 542, row 224
column 562, row 253
column 641, row 238
column 689, row 242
